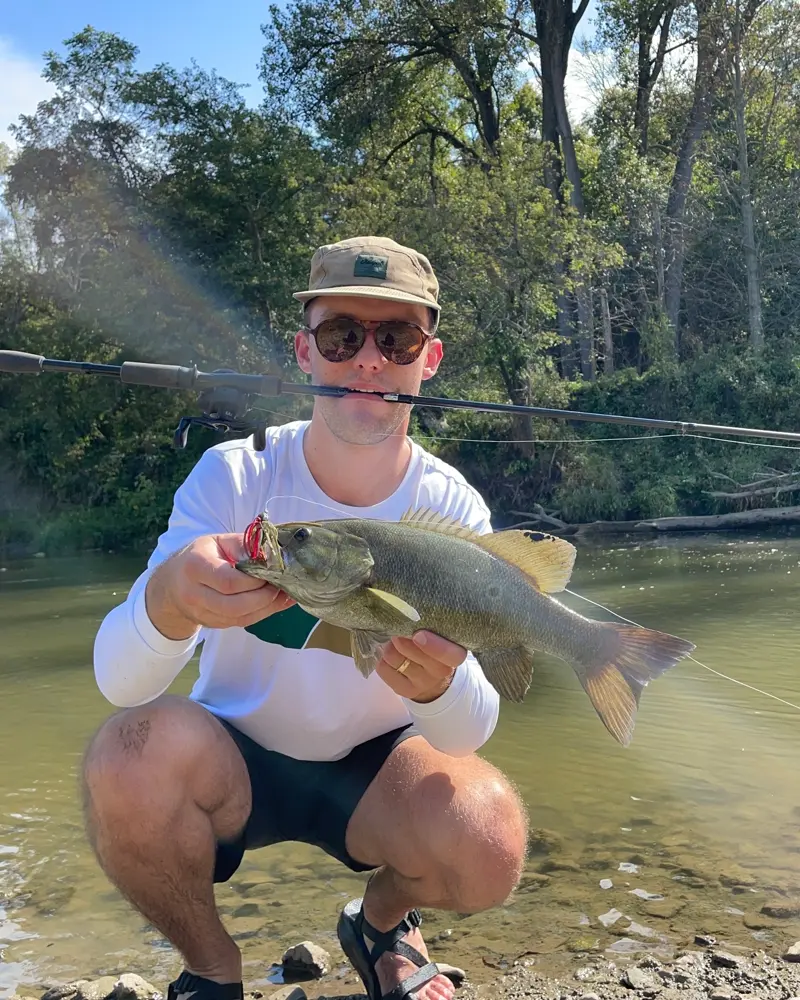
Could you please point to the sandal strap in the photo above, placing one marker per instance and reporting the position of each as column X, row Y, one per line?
column 412, row 982
column 392, row 940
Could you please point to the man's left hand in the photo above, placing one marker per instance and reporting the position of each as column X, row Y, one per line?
column 431, row 664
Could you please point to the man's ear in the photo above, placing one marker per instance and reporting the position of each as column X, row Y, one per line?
column 433, row 358
column 302, row 350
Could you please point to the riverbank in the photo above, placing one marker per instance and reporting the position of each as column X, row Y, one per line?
column 703, row 972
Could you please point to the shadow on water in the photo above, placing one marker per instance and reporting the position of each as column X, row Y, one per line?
column 693, row 828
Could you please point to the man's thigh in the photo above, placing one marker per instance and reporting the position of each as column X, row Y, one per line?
column 304, row 800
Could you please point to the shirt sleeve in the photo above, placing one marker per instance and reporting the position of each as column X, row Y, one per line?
column 133, row 662
column 461, row 720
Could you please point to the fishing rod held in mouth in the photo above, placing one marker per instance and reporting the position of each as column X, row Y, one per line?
column 225, row 398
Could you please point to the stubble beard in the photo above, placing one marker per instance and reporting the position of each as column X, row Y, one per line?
column 363, row 428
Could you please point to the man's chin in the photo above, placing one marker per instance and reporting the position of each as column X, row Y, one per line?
column 363, row 429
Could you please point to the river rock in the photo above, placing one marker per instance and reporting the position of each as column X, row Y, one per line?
column 542, row 841
column 306, row 958
column 640, row 980
column 289, row 993
column 725, row 960
column 793, row 952
column 132, row 987
column 785, row 910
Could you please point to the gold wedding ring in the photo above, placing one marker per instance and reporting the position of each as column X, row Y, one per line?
column 404, row 666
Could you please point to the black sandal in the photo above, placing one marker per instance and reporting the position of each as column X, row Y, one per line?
column 188, row 985
column 352, row 929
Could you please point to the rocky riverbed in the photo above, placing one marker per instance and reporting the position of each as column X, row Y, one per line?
column 704, row 972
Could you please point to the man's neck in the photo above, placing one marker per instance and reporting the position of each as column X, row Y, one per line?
column 356, row 475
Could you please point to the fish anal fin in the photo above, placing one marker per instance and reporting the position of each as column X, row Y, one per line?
column 628, row 659
column 509, row 671
column 367, row 649
column 545, row 559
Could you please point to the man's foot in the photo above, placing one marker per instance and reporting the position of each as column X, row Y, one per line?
column 391, row 969
column 188, row 986
column 394, row 962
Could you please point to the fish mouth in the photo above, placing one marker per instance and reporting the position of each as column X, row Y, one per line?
column 263, row 547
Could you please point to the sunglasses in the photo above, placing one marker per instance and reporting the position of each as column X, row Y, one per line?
column 341, row 339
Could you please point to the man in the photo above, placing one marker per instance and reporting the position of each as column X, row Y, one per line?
column 282, row 738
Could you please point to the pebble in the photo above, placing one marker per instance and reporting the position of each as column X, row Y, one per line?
column 638, row 979
column 793, row 952
column 721, row 993
column 289, row 993
column 589, row 996
column 306, row 958
column 726, row 960
column 610, row 918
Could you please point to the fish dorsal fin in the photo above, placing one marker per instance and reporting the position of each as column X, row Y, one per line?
column 547, row 560
column 432, row 520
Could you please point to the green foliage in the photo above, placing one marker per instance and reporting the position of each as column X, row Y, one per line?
column 155, row 215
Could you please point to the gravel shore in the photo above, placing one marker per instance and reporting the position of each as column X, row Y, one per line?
column 705, row 972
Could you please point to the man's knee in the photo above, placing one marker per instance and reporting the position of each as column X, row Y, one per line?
column 141, row 755
column 481, row 840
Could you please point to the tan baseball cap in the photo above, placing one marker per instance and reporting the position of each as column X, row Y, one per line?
column 372, row 266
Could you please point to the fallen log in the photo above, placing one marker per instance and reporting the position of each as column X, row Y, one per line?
column 719, row 522
column 767, row 491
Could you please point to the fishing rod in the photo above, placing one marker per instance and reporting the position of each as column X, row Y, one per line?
column 225, row 398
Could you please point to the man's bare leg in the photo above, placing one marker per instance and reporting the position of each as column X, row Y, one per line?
column 161, row 783
column 446, row 833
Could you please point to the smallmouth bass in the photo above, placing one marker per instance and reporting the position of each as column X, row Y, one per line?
column 489, row 593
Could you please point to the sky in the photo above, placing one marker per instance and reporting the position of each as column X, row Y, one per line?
column 222, row 37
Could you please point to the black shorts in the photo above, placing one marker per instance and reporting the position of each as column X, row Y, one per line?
column 304, row 800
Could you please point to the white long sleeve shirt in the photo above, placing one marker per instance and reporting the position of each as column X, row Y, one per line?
column 287, row 682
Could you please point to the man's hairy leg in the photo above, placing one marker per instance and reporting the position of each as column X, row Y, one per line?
column 162, row 782
column 445, row 833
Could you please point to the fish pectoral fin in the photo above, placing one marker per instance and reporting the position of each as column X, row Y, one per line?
column 628, row 658
column 367, row 649
column 396, row 603
column 547, row 560
column 509, row 671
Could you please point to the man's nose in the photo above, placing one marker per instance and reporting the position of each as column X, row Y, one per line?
column 369, row 357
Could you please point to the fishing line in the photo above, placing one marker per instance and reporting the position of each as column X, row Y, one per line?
column 575, row 441
column 705, row 666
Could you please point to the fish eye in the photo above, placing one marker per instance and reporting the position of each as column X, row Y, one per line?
column 301, row 534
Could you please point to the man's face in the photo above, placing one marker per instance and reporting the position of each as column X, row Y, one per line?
column 358, row 419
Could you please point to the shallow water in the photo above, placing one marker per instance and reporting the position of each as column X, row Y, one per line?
column 702, row 811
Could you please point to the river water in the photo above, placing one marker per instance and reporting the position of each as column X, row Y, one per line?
column 692, row 829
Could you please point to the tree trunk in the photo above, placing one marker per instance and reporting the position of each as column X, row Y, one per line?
column 675, row 238
column 712, row 42
column 649, row 68
column 555, row 26
column 608, row 342
column 748, row 224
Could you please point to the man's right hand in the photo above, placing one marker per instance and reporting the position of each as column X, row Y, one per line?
column 199, row 586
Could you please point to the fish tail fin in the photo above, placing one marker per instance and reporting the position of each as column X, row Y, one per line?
column 626, row 659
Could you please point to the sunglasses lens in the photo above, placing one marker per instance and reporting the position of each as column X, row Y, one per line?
column 339, row 339
column 400, row 343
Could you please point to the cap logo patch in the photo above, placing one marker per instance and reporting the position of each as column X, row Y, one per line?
column 369, row 265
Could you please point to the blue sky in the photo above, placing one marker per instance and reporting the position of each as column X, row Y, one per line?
column 226, row 37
